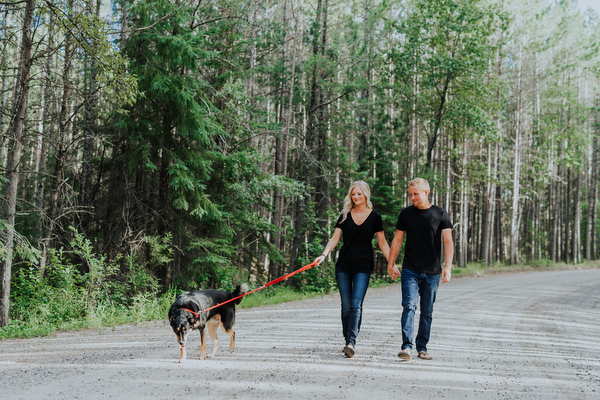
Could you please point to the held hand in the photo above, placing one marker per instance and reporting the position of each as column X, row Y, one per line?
column 393, row 271
column 319, row 259
column 447, row 274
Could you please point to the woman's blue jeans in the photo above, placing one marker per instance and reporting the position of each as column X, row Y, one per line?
column 353, row 288
column 415, row 284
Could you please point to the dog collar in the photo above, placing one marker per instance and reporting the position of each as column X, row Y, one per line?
column 193, row 312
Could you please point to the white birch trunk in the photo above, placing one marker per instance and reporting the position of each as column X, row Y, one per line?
column 514, row 225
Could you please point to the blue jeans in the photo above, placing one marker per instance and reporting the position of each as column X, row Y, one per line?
column 353, row 288
column 416, row 284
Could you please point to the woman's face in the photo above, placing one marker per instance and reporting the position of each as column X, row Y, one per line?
column 358, row 197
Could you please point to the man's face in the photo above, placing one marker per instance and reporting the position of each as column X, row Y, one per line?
column 418, row 197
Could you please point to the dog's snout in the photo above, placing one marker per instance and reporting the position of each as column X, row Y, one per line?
column 181, row 338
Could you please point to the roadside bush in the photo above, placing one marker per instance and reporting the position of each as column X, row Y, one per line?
column 319, row 279
column 110, row 292
column 45, row 303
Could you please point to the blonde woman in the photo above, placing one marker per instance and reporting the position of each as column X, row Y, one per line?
column 357, row 224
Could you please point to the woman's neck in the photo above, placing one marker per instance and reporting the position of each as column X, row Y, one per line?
column 362, row 208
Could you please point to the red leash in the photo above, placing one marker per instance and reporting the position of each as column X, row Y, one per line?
column 309, row 266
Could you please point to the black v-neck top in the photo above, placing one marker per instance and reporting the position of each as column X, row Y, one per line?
column 356, row 254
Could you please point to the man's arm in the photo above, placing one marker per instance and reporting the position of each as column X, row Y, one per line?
column 448, row 254
column 394, row 250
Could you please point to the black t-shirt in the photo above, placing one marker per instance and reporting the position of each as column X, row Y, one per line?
column 356, row 254
column 423, row 231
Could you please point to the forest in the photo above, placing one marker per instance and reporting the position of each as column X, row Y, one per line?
column 154, row 145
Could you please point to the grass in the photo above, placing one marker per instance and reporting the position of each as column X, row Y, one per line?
column 143, row 308
column 275, row 295
column 148, row 309
column 480, row 269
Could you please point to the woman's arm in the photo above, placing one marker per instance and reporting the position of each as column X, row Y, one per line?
column 383, row 244
column 394, row 250
column 337, row 234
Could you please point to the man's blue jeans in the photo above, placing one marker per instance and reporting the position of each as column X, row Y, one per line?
column 415, row 284
column 353, row 288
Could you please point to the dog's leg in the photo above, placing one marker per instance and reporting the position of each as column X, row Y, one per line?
column 231, row 334
column 212, row 326
column 202, row 344
column 183, row 355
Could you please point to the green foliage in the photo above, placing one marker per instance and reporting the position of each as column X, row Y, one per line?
column 64, row 297
column 52, row 300
column 212, row 267
column 189, row 139
column 185, row 186
column 318, row 280
column 91, row 34
column 22, row 249
column 447, row 47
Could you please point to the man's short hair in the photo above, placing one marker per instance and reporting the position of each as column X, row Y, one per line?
column 421, row 183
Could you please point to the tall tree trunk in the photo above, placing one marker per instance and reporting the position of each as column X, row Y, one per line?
column 15, row 135
column 558, row 201
column 307, row 169
column 489, row 204
column 414, row 128
column 514, row 227
column 464, row 211
column 576, row 239
column 91, row 110
column 46, row 132
column 492, row 172
column 437, row 122
column 64, row 124
column 321, row 127
column 590, row 236
column 281, row 146
column 115, row 213
column 3, row 84
column 499, row 226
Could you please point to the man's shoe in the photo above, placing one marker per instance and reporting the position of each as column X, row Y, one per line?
column 404, row 354
column 424, row 355
column 349, row 352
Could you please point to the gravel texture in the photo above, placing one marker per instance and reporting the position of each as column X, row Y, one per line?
column 528, row 335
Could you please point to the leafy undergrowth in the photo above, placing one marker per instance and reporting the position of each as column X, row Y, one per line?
column 62, row 310
column 480, row 269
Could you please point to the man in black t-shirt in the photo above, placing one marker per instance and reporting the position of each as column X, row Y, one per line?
column 425, row 226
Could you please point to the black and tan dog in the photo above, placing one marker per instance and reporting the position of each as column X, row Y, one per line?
column 186, row 314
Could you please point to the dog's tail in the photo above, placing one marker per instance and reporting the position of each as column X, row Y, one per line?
column 240, row 290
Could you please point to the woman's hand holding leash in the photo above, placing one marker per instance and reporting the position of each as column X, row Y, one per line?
column 320, row 259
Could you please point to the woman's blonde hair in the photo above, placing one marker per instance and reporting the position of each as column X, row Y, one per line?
column 349, row 204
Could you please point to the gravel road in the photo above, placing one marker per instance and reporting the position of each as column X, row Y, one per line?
column 508, row 336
